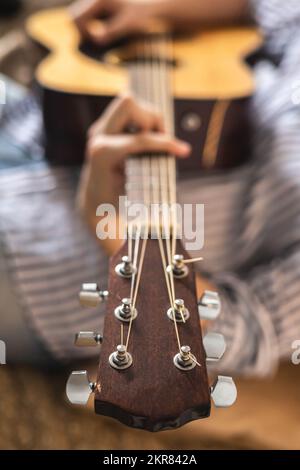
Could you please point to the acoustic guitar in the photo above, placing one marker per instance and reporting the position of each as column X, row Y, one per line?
column 211, row 85
column 153, row 364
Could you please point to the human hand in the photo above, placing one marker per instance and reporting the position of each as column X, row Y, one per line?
column 102, row 179
column 122, row 17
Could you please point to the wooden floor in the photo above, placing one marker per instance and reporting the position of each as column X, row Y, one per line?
column 35, row 415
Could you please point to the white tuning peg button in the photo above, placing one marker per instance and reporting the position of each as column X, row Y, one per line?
column 91, row 296
column 87, row 338
column 214, row 345
column 209, row 306
column 79, row 387
column 223, row 392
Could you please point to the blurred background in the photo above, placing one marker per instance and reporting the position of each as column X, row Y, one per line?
column 34, row 413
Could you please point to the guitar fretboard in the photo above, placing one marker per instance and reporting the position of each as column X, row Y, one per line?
column 152, row 178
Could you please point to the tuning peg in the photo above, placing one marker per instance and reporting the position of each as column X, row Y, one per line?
column 178, row 311
column 79, row 387
column 209, row 305
column 178, row 267
column 121, row 358
column 125, row 311
column 223, row 392
column 91, row 296
column 88, row 338
column 214, row 345
column 125, row 268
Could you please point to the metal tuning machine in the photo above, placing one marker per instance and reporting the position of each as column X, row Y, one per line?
column 184, row 360
column 88, row 339
column 120, row 359
column 125, row 311
column 178, row 312
column 91, row 296
column 223, row 392
column 214, row 346
column 79, row 387
column 178, row 267
column 125, row 268
column 209, row 306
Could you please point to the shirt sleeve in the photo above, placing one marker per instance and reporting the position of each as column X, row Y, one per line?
column 278, row 20
column 260, row 317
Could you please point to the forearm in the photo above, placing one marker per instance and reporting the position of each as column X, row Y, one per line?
column 88, row 209
column 195, row 12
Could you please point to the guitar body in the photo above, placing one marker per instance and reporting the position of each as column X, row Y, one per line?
column 211, row 86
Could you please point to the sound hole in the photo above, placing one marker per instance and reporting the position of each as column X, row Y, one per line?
column 96, row 52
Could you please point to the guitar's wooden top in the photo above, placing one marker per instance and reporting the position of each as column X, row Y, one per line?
column 211, row 63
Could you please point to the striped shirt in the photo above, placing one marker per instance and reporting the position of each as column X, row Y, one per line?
column 252, row 227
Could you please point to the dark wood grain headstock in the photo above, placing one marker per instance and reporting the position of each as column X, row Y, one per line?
column 152, row 394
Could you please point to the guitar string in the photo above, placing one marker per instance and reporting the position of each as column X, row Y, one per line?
column 159, row 98
column 162, row 182
column 130, row 234
column 145, row 162
column 143, row 249
column 137, row 233
column 129, row 238
column 165, row 53
column 142, row 257
column 163, row 98
column 122, row 333
column 136, row 274
column 138, row 269
column 132, row 241
column 192, row 260
column 171, row 173
column 164, row 76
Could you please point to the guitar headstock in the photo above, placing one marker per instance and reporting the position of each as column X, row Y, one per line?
column 153, row 363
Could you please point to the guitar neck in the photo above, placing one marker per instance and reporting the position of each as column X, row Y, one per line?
column 152, row 178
